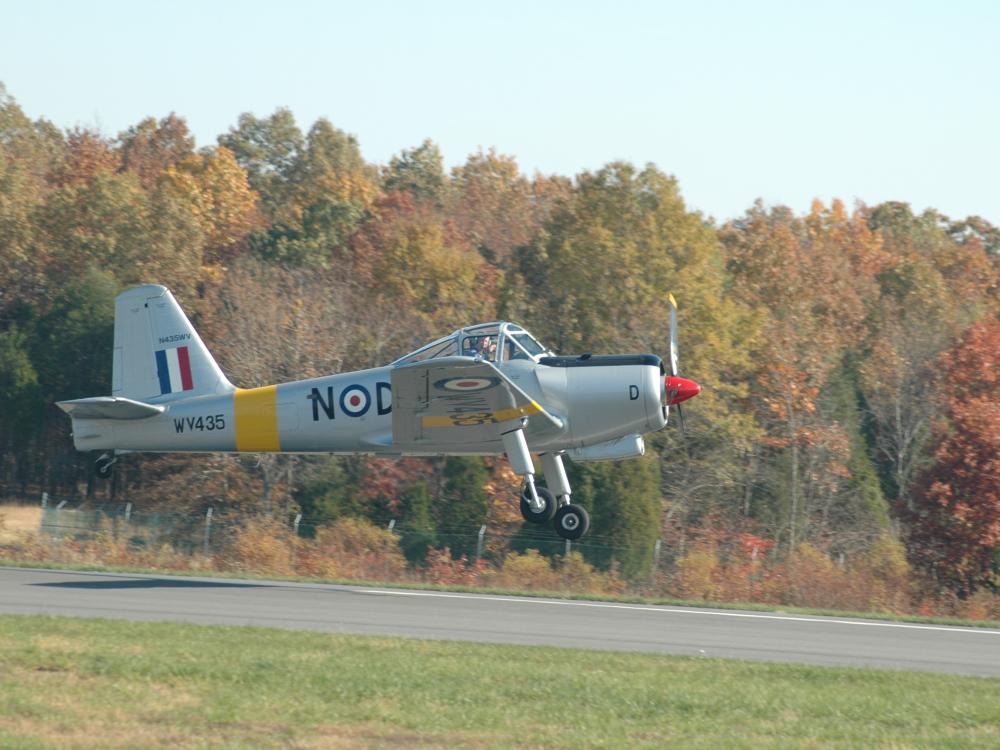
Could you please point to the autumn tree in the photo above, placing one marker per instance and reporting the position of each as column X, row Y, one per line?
column 101, row 222
column 219, row 193
column 87, row 155
column 954, row 528
column 150, row 147
column 269, row 149
column 494, row 206
column 329, row 190
column 410, row 262
column 418, row 171
column 935, row 282
column 22, row 264
column 35, row 146
column 809, row 279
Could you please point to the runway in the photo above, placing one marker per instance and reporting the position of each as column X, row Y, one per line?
column 827, row 641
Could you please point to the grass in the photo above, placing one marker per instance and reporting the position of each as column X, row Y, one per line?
column 74, row 683
column 623, row 599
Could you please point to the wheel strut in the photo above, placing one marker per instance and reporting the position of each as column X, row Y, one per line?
column 555, row 477
column 520, row 461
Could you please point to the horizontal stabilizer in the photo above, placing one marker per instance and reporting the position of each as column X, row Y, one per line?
column 109, row 407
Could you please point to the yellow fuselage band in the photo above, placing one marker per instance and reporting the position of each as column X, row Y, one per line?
column 256, row 412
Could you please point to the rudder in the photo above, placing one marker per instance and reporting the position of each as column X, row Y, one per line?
column 158, row 355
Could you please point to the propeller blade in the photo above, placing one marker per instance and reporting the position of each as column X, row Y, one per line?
column 675, row 388
column 673, row 335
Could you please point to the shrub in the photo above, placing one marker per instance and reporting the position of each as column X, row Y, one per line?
column 813, row 580
column 577, row 575
column 529, row 571
column 442, row 568
column 359, row 549
column 696, row 572
column 262, row 545
column 881, row 577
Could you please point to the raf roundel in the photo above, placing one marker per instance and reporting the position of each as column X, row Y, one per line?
column 466, row 384
column 355, row 400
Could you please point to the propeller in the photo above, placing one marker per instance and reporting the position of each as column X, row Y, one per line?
column 678, row 389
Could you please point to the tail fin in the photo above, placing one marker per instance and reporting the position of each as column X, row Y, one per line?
column 158, row 355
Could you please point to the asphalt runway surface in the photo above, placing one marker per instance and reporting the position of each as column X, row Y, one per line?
column 760, row 636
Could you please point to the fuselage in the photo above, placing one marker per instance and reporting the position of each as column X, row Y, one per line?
column 599, row 399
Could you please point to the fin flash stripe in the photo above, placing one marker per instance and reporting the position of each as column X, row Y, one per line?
column 256, row 411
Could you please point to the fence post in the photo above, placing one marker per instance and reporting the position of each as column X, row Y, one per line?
column 479, row 542
column 656, row 554
column 57, row 535
column 569, row 548
column 128, row 512
column 295, row 539
column 392, row 524
column 45, row 500
column 208, row 530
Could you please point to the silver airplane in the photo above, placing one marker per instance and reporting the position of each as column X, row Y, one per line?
column 489, row 389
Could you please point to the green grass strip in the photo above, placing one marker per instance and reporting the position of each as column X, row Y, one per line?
column 76, row 683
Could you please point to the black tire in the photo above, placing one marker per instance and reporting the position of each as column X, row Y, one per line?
column 103, row 468
column 571, row 522
column 546, row 497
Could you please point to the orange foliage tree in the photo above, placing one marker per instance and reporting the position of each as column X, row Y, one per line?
column 955, row 523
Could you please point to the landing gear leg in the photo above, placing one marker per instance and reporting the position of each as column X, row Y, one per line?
column 555, row 477
column 537, row 505
column 571, row 521
column 104, row 464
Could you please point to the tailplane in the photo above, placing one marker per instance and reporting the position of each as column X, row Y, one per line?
column 158, row 355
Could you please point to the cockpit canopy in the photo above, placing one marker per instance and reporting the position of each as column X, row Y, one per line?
column 495, row 342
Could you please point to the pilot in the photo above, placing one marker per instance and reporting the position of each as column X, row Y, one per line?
column 469, row 347
column 488, row 348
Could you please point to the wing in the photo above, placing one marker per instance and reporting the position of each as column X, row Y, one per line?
column 455, row 401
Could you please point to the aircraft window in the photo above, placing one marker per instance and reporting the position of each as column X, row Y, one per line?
column 481, row 346
column 526, row 342
column 445, row 348
column 513, row 351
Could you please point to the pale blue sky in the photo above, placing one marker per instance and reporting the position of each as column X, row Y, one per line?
column 780, row 100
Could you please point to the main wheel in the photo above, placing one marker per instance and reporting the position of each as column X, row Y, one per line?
column 546, row 497
column 571, row 522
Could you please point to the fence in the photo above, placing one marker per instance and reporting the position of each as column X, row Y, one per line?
column 210, row 531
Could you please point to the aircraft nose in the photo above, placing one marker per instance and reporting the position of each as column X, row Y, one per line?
column 680, row 389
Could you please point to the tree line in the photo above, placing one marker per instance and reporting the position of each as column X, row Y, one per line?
column 849, row 357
